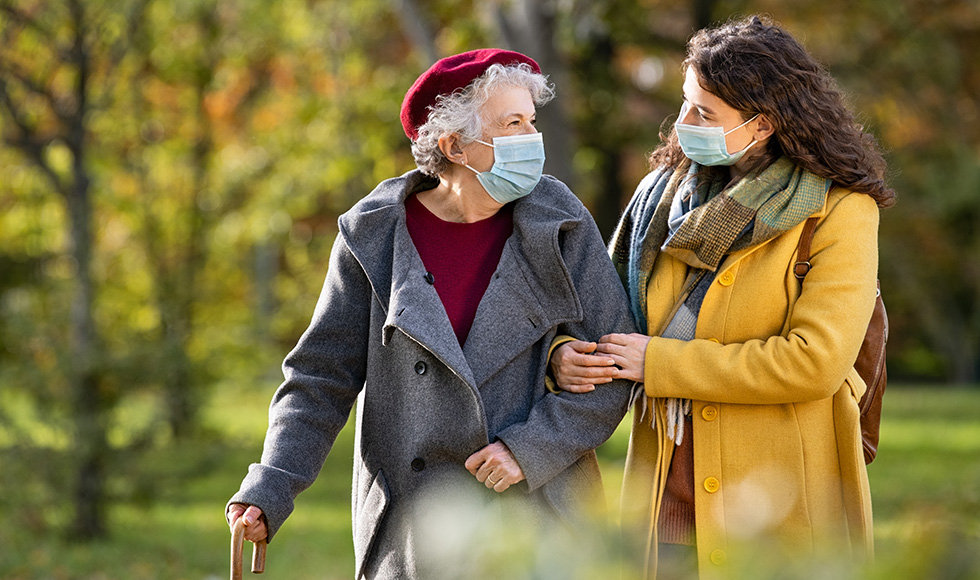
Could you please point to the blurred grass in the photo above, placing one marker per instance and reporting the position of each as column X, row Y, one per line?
column 925, row 485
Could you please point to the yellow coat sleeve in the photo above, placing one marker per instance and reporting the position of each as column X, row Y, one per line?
column 549, row 381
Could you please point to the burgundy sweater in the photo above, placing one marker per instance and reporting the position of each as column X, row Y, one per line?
column 460, row 257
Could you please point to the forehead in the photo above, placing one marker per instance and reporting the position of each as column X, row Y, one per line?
column 691, row 85
column 507, row 101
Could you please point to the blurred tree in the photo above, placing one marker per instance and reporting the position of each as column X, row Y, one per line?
column 169, row 150
column 52, row 59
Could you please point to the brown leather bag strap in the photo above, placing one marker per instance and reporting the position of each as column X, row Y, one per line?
column 802, row 266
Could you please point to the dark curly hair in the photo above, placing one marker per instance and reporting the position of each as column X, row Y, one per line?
column 757, row 67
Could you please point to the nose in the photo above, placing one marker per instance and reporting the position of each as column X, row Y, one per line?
column 686, row 114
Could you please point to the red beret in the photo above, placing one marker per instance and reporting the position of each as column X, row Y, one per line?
column 447, row 75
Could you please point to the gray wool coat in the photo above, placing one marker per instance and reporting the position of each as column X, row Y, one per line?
column 381, row 338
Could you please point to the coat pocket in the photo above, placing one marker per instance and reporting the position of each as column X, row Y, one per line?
column 368, row 519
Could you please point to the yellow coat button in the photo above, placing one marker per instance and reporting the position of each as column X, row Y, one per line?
column 709, row 413
column 714, row 340
column 726, row 279
column 717, row 557
column 712, row 485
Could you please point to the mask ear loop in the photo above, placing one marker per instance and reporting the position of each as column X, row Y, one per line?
column 743, row 124
column 754, row 141
column 466, row 165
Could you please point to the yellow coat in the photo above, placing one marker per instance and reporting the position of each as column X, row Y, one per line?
column 778, row 465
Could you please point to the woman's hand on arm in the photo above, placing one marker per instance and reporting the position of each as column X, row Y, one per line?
column 577, row 370
column 255, row 529
column 627, row 351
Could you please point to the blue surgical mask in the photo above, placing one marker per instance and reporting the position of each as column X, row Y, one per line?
column 707, row 145
column 517, row 164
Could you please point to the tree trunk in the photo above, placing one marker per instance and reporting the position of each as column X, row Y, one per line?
column 181, row 394
column 417, row 29
column 91, row 446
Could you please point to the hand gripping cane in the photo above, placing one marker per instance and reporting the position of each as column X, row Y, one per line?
column 237, row 544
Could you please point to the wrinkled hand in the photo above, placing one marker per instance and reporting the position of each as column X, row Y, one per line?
column 628, row 351
column 255, row 528
column 577, row 370
column 495, row 467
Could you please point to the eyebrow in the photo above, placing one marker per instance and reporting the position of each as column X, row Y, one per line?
column 706, row 110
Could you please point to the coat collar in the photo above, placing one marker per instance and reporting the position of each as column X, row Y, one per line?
column 531, row 282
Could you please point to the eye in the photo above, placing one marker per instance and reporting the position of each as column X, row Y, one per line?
column 534, row 121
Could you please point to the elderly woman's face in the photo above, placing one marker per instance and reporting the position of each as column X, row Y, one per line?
column 509, row 111
column 705, row 109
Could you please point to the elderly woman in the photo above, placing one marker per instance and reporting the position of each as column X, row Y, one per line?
column 445, row 289
column 749, row 450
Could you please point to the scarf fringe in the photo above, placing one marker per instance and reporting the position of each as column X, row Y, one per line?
column 638, row 399
column 677, row 410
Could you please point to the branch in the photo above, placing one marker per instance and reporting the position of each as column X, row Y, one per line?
column 29, row 143
column 34, row 150
column 27, row 21
column 23, row 19
column 32, row 86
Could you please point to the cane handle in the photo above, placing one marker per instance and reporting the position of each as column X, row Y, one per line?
column 237, row 545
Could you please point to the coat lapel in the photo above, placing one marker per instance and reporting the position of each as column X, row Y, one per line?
column 530, row 292
column 495, row 339
column 375, row 232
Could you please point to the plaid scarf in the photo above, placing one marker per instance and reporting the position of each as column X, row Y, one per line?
column 700, row 223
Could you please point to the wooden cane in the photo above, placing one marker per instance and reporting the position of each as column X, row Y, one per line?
column 237, row 545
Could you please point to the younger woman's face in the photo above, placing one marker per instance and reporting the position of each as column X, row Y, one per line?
column 705, row 109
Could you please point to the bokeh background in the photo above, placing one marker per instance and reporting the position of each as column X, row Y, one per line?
column 171, row 172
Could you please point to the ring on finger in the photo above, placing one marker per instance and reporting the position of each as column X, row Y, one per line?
column 492, row 482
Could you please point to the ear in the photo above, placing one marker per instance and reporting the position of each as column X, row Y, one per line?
column 763, row 128
column 449, row 145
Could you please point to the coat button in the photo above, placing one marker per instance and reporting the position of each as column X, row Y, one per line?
column 714, row 340
column 712, row 485
column 717, row 557
column 727, row 279
column 418, row 464
column 420, row 368
column 709, row 413
column 430, row 278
